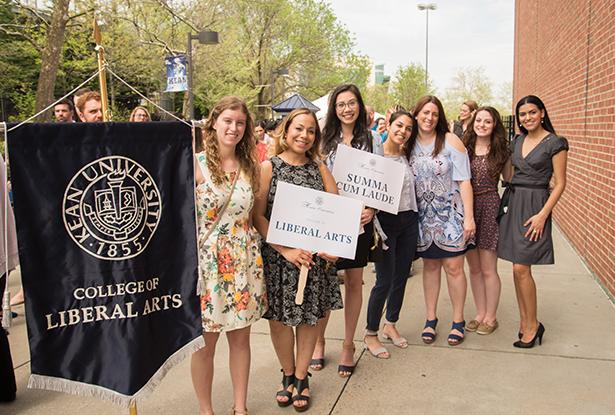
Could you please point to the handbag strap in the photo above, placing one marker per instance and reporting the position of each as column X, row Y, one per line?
column 226, row 203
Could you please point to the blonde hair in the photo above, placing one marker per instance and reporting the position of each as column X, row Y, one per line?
column 134, row 112
column 280, row 134
column 245, row 149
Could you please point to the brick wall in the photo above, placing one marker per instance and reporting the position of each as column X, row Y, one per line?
column 565, row 54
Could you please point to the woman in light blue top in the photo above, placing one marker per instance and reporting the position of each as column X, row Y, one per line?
column 446, row 221
column 400, row 236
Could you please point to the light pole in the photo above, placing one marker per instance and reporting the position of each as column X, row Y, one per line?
column 280, row 72
column 427, row 7
column 205, row 38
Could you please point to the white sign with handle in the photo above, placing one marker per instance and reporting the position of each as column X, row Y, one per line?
column 373, row 179
column 315, row 221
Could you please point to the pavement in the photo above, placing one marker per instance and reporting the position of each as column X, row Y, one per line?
column 572, row 372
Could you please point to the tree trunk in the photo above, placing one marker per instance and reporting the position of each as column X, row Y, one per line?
column 50, row 58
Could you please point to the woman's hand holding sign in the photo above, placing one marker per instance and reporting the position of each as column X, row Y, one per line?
column 367, row 215
column 298, row 257
column 329, row 258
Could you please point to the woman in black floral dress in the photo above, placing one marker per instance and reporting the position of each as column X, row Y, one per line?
column 297, row 163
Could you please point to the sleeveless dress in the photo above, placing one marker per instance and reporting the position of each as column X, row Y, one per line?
column 439, row 200
column 322, row 291
column 231, row 275
column 529, row 192
column 486, row 204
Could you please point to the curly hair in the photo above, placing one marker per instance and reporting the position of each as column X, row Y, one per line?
column 245, row 149
column 280, row 134
column 498, row 143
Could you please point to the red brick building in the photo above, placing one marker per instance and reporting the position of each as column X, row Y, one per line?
column 565, row 54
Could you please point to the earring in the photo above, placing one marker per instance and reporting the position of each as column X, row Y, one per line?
column 542, row 120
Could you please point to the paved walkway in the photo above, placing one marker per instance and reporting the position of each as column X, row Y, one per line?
column 573, row 371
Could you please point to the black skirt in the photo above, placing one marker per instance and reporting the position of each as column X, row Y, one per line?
column 361, row 255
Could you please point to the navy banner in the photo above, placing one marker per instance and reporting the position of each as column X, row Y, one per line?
column 107, row 242
column 177, row 78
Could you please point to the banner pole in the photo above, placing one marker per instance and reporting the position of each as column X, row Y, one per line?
column 102, row 74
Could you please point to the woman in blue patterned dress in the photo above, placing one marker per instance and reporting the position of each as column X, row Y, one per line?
column 441, row 168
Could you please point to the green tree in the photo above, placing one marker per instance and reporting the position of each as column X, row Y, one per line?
column 257, row 39
column 409, row 85
column 468, row 84
column 503, row 99
column 378, row 97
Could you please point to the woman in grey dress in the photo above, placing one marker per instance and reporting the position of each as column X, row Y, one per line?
column 538, row 155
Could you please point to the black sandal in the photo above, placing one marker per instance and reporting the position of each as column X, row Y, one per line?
column 300, row 386
column 286, row 382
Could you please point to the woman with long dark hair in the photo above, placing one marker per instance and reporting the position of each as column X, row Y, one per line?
column 441, row 169
column 538, row 156
column 401, row 231
column 485, row 140
column 346, row 124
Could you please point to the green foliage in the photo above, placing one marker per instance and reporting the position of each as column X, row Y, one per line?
column 257, row 39
column 378, row 97
column 469, row 84
column 409, row 85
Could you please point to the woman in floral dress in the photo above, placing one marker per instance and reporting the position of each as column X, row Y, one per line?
column 487, row 147
column 231, row 280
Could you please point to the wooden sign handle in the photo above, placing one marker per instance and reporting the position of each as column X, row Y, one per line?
column 303, row 274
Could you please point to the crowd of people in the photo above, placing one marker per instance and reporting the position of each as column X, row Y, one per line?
column 450, row 209
column 86, row 106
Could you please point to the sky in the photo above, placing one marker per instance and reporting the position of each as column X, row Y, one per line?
column 462, row 34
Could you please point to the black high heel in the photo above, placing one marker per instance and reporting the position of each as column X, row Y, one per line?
column 539, row 333
column 300, row 386
column 287, row 380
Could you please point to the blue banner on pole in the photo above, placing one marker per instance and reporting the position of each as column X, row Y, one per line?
column 177, row 78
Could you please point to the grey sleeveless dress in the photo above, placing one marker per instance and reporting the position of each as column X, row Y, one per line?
column 529, row 193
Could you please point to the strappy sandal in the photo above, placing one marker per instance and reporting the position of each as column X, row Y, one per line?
column 455, row 339
column 345, row 371
column 427, row 336
column 380, row 352
column 400, row 341
column 287, row 380
column 235, row 412
column 318, row 364
column 300, row 386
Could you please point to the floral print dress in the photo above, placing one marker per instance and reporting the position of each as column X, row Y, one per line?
column 231, row 283
column 439, row 200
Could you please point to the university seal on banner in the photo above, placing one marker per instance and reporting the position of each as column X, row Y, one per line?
column 111, row 208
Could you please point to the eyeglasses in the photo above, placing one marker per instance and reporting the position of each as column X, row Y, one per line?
column 340, row 106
